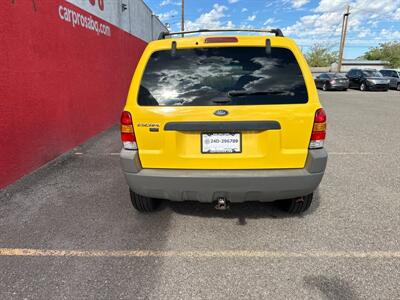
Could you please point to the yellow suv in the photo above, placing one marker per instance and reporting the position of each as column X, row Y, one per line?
column 223, row 119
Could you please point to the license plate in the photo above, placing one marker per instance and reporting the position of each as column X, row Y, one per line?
column 221, row 143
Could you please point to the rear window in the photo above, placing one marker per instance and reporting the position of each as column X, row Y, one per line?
column 222, row 76
column 371, row 73
column 338, row 75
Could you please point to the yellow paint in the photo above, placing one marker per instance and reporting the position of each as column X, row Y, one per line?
column 199, row 254
column 275, row 149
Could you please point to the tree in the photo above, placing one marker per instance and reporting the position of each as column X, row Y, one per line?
column 389, row 51
column 320, row 56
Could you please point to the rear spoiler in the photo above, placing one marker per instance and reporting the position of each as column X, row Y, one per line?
column 276, row 31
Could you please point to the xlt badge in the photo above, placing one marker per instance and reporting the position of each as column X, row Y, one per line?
column 153, row 127
column 148, row 125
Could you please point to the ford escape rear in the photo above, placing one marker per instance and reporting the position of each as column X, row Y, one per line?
column 233, row 118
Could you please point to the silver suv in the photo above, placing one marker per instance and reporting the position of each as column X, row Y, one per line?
column 394, row 76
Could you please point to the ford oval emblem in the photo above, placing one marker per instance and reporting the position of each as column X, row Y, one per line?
column 221, row 113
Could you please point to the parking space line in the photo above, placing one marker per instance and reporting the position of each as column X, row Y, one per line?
column 199, row 254
column 97, row 154
column 351, row 153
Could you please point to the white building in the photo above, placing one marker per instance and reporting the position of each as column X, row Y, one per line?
column 349, row 64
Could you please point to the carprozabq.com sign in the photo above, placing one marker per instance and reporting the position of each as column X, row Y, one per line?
column 77, row 19
column 107, row 10
column 86, row 21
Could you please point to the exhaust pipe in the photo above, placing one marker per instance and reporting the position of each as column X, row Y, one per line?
column 222, row 204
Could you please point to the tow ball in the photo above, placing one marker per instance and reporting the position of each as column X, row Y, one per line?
column 222, row 204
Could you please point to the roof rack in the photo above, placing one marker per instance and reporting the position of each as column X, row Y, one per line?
column 276, row 31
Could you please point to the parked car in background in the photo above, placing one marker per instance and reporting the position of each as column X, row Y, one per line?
column 393, row 76
column 332, row 81
column 367, row 80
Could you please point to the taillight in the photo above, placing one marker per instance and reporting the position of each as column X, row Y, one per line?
column 319, row 130
column 128, row 137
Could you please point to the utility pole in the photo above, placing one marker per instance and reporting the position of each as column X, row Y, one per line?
column 343, row 37
column 183, row 17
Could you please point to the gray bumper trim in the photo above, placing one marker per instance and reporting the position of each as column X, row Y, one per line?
column 223, row 126
column 235, row 185
column 316, row 161
column 130, row 161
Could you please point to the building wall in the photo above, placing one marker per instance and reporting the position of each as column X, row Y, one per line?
column 158, row 27
column 359, row 64
column 133, row 16
column 65, row 70
column 346, row 68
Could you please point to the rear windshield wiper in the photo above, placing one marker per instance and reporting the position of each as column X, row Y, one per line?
column 259, row 93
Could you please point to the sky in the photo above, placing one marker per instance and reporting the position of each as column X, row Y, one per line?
column 307, row 21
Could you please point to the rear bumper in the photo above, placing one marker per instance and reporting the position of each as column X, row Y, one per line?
column 339, row 87
column 234, row 185
column 378, row 87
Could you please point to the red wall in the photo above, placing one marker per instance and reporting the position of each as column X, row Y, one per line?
column 59, row 85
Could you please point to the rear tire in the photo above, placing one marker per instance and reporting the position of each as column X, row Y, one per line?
column 142, row 203
column 398, row 86
column 297, row 205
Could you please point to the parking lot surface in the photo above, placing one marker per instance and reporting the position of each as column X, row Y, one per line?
column 82, row 238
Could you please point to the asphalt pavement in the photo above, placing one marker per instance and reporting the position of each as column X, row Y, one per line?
column 68, row 230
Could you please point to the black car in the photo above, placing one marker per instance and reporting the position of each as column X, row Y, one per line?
column 367, row 80
column 332, row 81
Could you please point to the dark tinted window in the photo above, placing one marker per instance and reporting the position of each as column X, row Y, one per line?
column 385, row 73
column 338, row 75
column 371, row 73
column 229, row 76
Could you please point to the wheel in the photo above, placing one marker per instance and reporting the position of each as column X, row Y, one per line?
column 297, row 205
column 142, row 203
column 363, row 87
column 398, row 86
column 325, row 87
